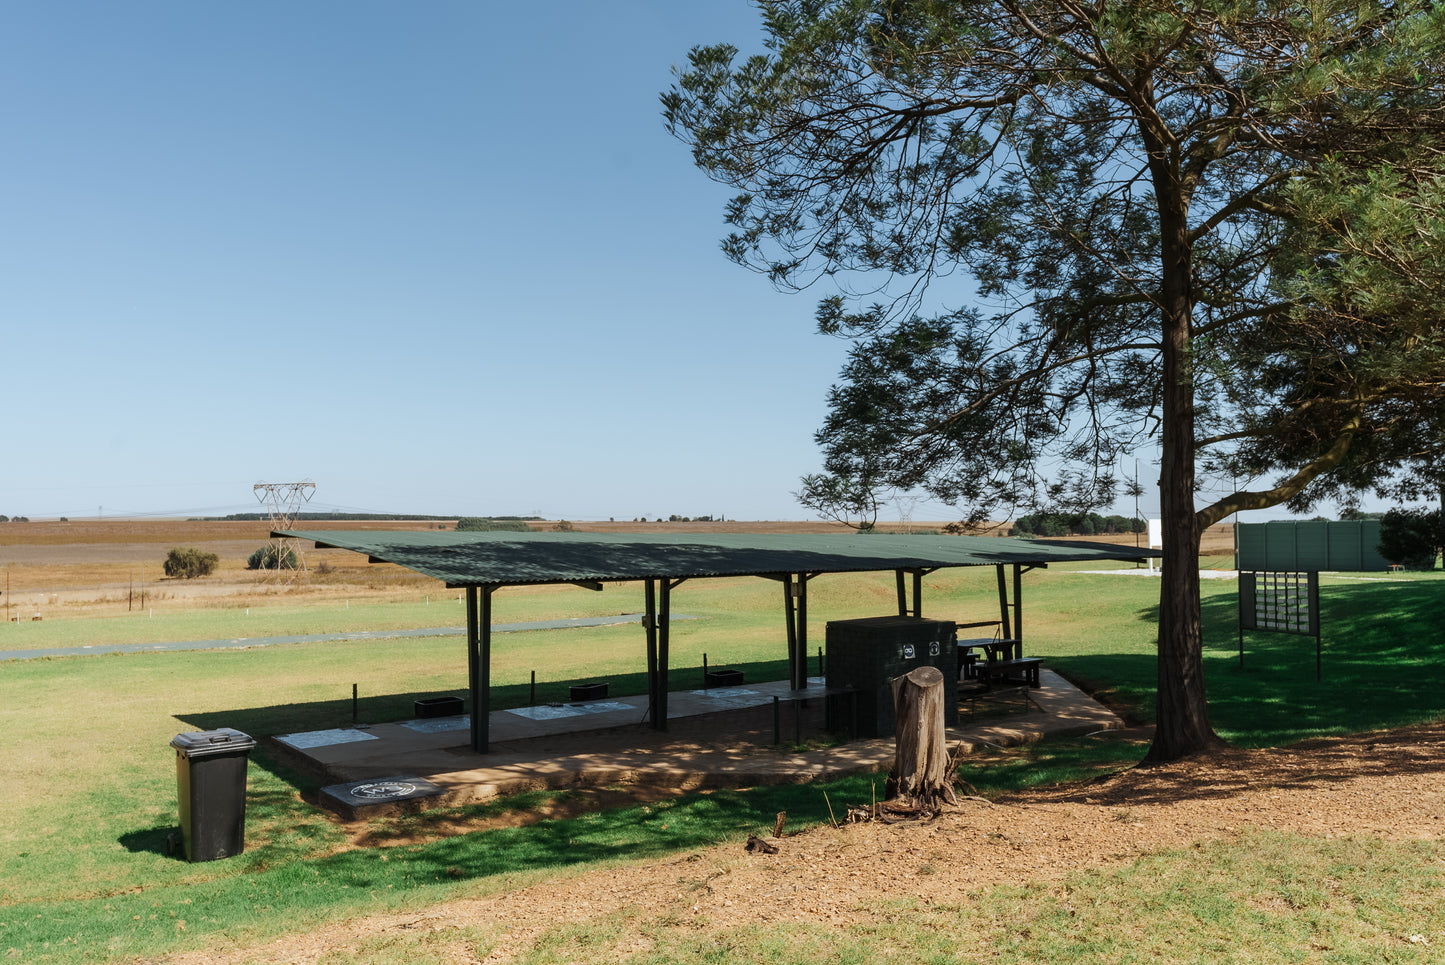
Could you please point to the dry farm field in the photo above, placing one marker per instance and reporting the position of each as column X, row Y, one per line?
column 83, row 568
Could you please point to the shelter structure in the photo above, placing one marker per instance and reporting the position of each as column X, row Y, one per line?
column 482, row 562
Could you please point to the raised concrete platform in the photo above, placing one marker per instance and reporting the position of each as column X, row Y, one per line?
column 718, row 738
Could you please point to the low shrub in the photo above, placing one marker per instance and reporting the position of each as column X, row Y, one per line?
column 187, row 563
column 266, row 558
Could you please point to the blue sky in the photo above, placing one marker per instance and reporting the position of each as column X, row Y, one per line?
column 438, row 257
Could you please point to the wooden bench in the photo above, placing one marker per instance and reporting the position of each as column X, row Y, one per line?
column 1000, row 677
column 1016, row 670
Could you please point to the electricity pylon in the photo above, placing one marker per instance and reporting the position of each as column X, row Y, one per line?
column 283, row 503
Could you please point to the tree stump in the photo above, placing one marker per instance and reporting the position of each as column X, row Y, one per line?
column 921, row 777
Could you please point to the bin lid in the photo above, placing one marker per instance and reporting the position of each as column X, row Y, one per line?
column 223, row 740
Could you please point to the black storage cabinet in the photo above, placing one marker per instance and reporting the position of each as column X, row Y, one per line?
column 211, row 788
column 866, row 655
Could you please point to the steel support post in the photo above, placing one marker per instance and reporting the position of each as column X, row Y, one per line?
column 800, row 663
column 904, row 610
column 479, row 663
column 1018, row 610
column 1005, row 621
column 649, row 625
column 664, row 623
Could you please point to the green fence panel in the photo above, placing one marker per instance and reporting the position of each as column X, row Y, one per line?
column 1281, row 544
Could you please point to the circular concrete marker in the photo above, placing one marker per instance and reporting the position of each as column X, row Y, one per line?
column 384, row 790
column 379, row 795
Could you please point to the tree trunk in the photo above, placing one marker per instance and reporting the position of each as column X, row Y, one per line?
column 1182, row 712
column 1182, row 725
column 921, row 776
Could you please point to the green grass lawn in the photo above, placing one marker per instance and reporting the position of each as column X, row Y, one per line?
column 89, row 790
column 1381, row 665
column 172, row 621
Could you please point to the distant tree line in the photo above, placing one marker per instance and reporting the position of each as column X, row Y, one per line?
column 1086, row 524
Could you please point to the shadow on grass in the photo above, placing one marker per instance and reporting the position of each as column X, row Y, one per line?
column 281, row 820
column 276, row 801
column 159, row 840
column 1308, row 764
column 1381, row 666
column 268, row 883
column 384, row 708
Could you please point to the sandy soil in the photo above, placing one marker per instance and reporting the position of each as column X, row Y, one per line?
column 1387, row 785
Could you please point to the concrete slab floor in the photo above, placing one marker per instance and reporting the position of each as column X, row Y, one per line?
column 719, row 738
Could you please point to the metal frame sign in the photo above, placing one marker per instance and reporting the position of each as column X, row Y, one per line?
column 1281, row 602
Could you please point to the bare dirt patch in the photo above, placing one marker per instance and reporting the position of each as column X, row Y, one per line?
column 1387, row 785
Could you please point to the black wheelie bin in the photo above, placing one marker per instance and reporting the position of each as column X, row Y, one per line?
column 211, row 788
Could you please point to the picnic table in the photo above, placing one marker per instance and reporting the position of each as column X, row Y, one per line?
column 1003, row 667
column 993, row 650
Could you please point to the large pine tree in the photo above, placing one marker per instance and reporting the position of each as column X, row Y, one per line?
column 1060, row 231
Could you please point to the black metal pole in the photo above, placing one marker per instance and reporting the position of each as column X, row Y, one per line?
column 1003, row 615
column 802, row 662
column 1018, row 611
column 478, row 739
column 663, row 633
column 482, row 702
column 791, row 617
column 649, row 623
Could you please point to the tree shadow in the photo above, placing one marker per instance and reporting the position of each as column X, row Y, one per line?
column 1380, row 666
column 268, row 721
column 1229, row 772
column 1379, row 709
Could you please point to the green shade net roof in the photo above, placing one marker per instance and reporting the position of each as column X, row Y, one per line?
column 502, row 559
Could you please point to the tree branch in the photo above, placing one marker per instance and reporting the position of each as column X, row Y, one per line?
column 1240, row 502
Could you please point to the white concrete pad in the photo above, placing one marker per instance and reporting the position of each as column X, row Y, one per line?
column 325, row 738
